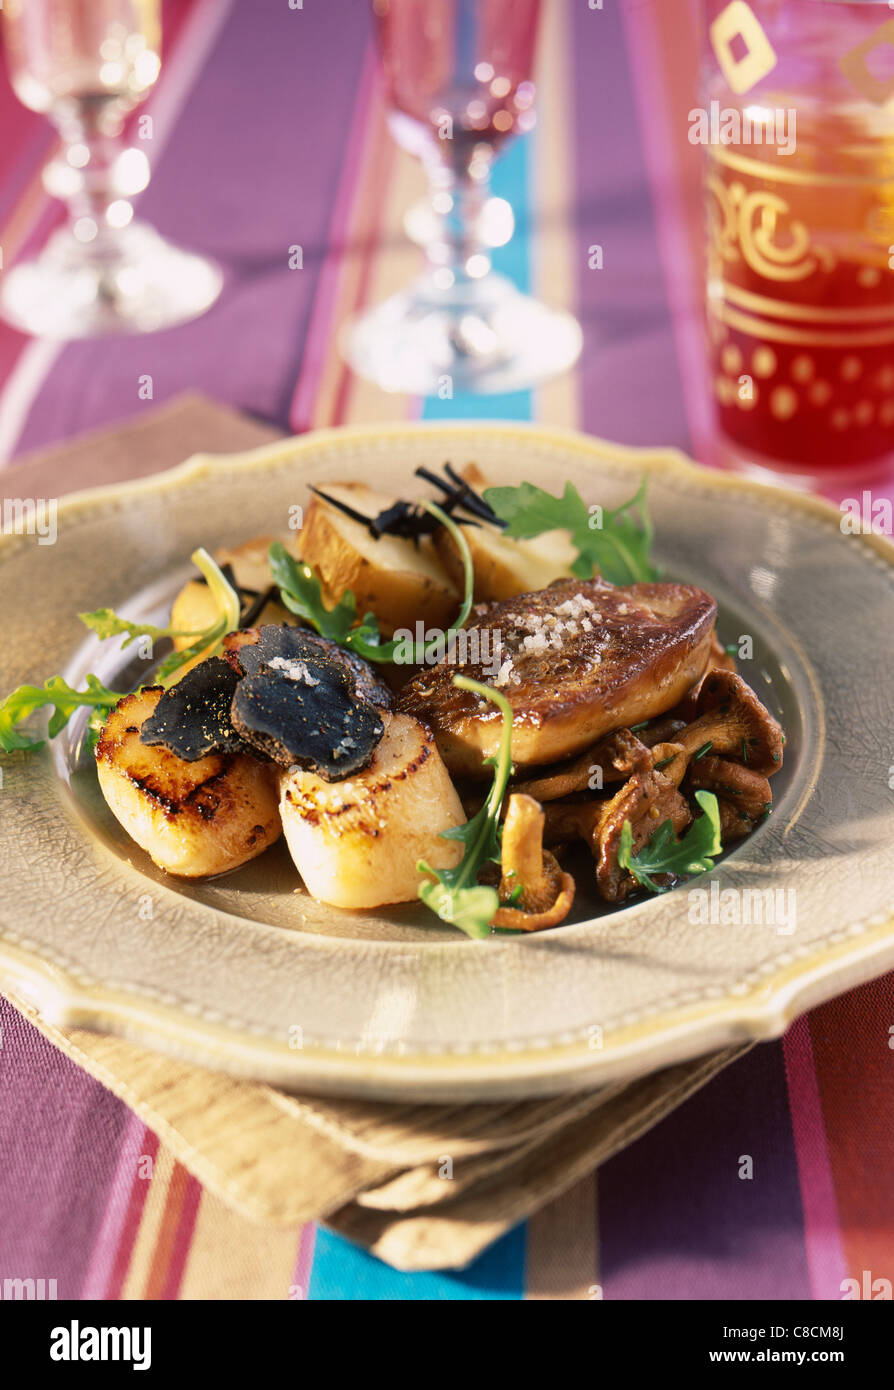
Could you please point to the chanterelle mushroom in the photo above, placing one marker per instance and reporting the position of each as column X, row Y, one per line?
column 546, row 892
column 647, row 799
column 616, row 756
column 733, row 721
column 719, row 659
column 743, row 795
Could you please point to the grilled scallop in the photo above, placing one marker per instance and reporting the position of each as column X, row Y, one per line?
column 356, row 842
column 575, row 661
column 193, row 818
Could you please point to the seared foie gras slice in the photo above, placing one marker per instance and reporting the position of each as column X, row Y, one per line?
column 575, row 661
column 355, row 843
column 193, row 818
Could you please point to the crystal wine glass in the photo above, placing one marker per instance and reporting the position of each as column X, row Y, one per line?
column 86, row 64
column 458, row 81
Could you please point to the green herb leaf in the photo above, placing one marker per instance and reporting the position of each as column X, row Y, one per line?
column 106, row 623
column 62, row 698
column 301, row 593
column 665, row 854
column 455, row 895
column 615, row 542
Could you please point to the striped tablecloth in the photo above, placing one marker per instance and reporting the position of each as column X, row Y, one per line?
column 268, row 132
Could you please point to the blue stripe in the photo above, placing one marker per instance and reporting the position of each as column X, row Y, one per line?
column 341, row 1271
column 510, row 181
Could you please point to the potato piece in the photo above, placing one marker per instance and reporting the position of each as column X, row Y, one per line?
column 505, row 567
column 356, row 843
column 194, row 608
column 396, row 579
column 192, row 818
column 250, row 561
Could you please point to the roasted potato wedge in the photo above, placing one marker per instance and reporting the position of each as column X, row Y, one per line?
column 393, row 577
column 504, row 566
column 194, row 608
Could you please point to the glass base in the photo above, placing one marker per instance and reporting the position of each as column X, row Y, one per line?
column 483, row 336
column 132, row 281
column 802, row 477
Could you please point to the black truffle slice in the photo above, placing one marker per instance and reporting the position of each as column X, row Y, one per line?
column 192, row 719
column 287, row 643
column 305, row 713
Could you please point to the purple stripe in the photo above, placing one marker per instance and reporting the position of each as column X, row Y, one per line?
column 677, row 1221
column 60, row 1136
column 251, row 171
column 631, row 389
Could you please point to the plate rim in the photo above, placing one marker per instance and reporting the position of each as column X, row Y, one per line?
column 761, row 1013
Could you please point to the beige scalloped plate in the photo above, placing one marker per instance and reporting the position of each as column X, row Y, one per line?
column 248, row 974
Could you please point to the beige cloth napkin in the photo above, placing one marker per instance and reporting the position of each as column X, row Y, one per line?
column 421, row 1186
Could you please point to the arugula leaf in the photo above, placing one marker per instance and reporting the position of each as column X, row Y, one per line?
column 665, row 854
column 64, row 701
column 455, row 895
column 106, row 623
column 301, row 591
column 615, row 542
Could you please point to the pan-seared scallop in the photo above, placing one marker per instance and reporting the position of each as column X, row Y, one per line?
column 193, row 818
column 356, row 842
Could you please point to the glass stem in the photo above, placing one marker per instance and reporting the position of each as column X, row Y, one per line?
column 93, row 145
column 458, row 256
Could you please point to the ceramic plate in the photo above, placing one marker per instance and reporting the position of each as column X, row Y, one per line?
column 248, row 974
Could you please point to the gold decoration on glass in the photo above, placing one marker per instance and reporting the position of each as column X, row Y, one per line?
column 759, row 226
column 856, row 69
column 738, row 21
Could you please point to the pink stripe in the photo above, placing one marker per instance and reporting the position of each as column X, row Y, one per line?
column 319, row 331
column 188, row 1214
column 102, row 1258
column 304, row 1261
column 648, row 59
column 822, row 1227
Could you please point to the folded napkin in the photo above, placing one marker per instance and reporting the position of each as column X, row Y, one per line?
column 422, row 1186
